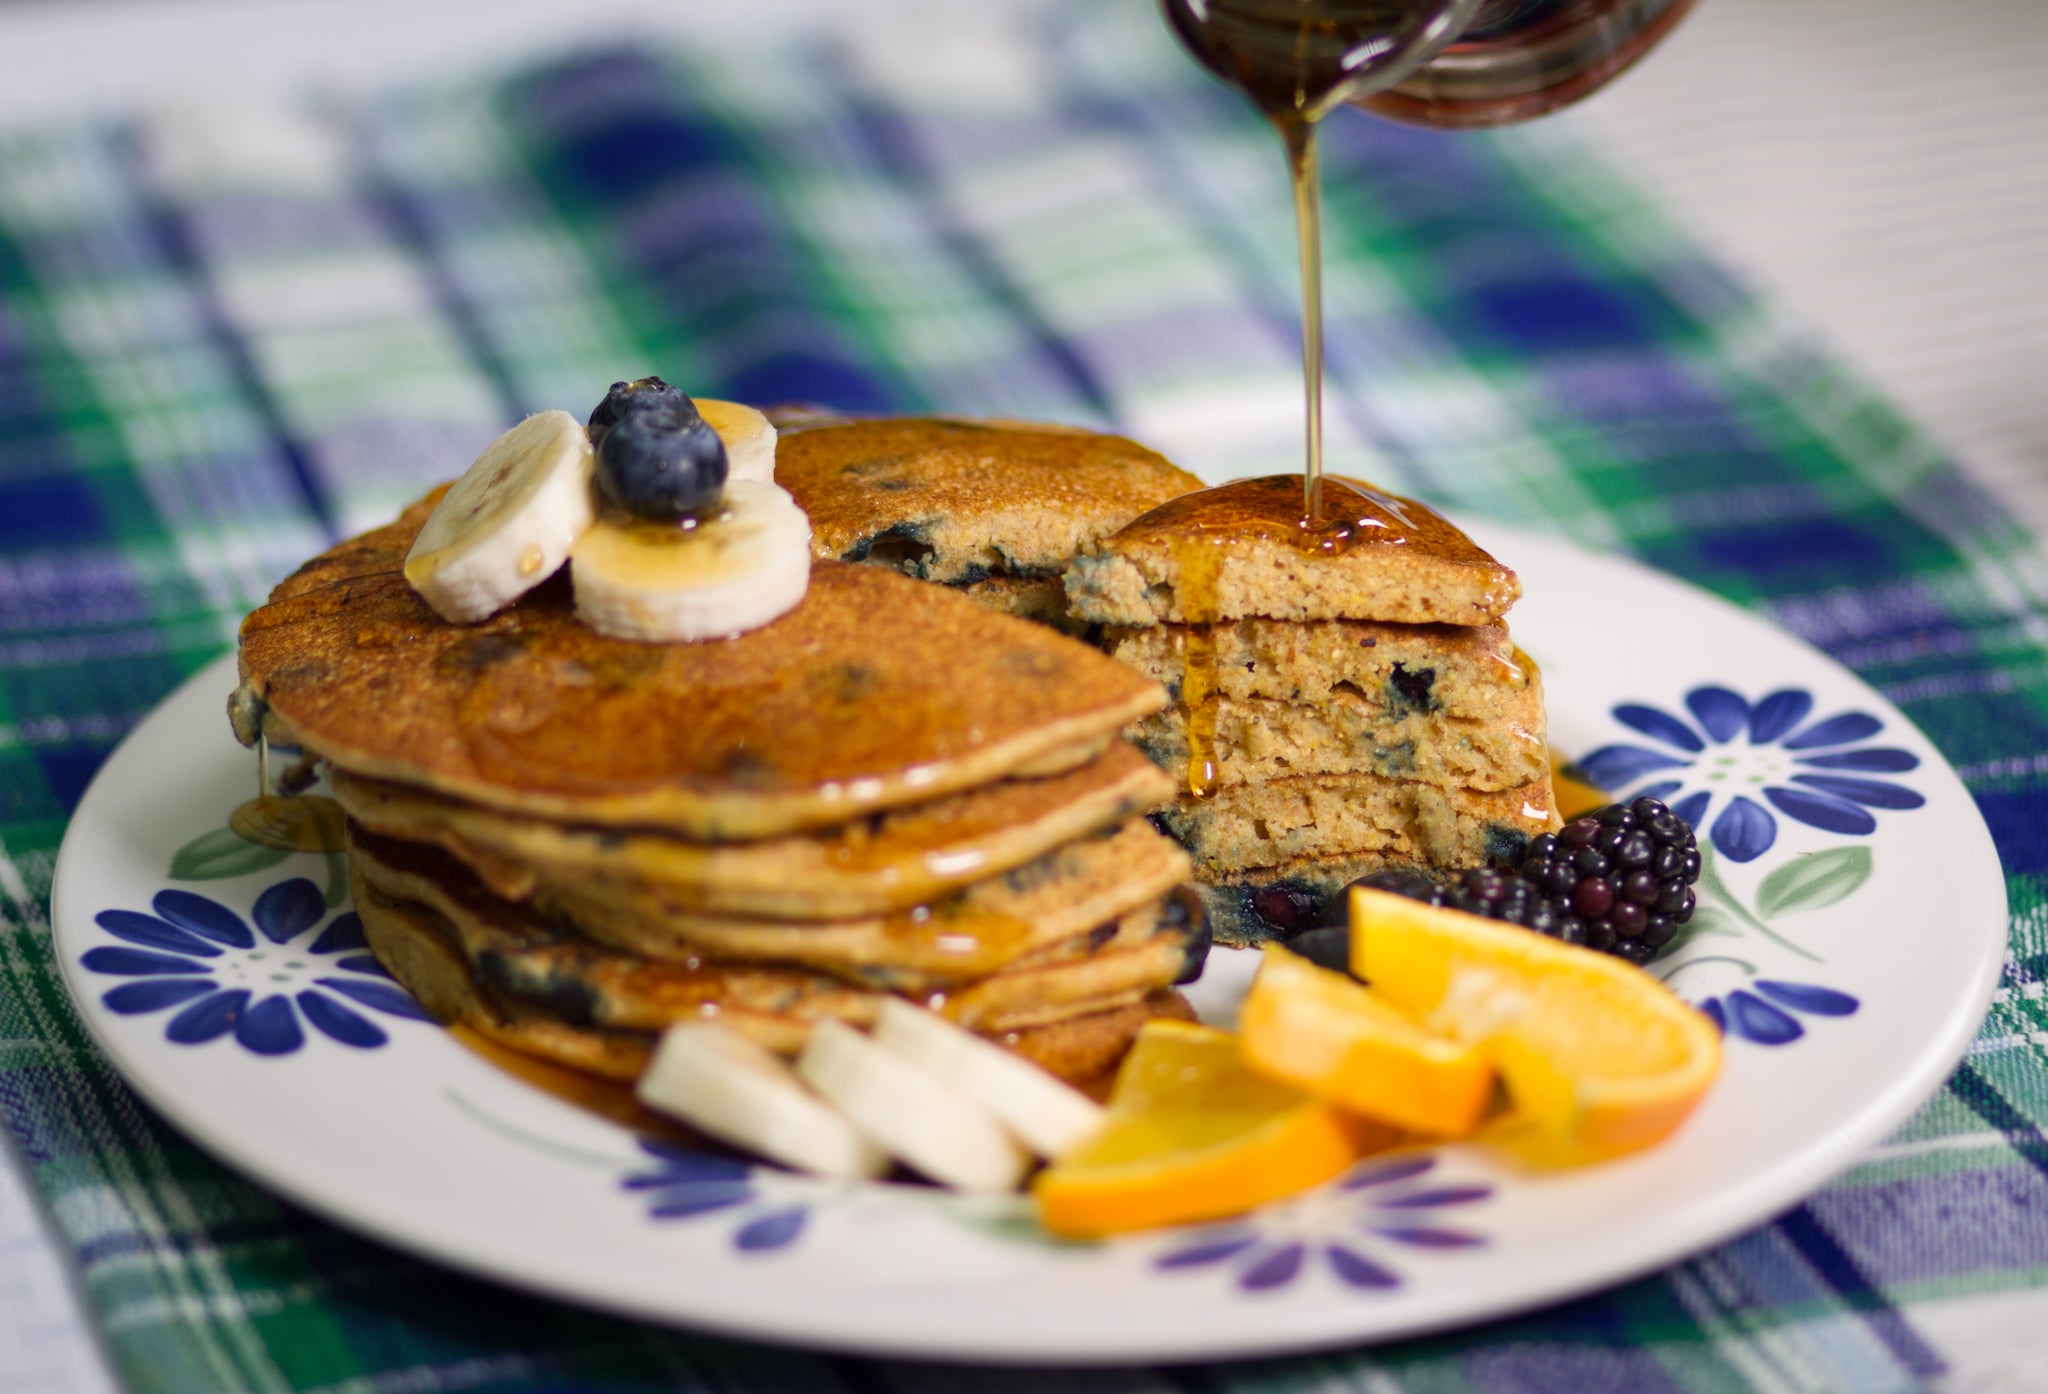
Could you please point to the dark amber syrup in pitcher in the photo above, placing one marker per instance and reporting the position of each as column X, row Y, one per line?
column 1446, row 63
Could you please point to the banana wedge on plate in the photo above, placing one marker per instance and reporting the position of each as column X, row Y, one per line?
column 1042, row 1112
column 723, row 1084
column 925, row 1122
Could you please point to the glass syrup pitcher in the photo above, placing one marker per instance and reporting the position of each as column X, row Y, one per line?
column 1444, row 63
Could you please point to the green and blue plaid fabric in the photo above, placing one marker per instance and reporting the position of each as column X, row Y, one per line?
column 210, row 368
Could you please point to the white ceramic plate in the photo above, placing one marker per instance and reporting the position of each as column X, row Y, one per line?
column 1846, row 842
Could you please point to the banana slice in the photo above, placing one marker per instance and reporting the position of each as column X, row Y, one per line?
column 1043, row 1113
column 721, row 1083
column 735, row 571
column 925, row 1123
column 749, row 439
column 508, row 523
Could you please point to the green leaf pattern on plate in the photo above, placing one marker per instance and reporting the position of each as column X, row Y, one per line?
column 222, row 853
column 1814, row 880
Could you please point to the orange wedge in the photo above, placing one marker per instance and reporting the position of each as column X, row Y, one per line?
column 1331, row 1037
column 1598, row 1057
column 1193, row 1134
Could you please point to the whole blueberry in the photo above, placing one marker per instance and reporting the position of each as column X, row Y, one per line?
column 1327, row 947
column 1194, row 954
column 640, row 392
column 1284, row 910
column 661, row 463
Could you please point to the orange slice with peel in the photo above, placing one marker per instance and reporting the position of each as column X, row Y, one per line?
column 1192, row 1133
column 1598, row 1057
column 1333, row 1038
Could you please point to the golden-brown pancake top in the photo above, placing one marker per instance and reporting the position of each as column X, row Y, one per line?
column 874, row 692
column 1246, row 549
column 955, row 501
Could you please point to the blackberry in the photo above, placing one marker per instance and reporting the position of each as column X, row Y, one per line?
column 1618, row 879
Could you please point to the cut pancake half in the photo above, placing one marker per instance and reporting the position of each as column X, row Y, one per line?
column 1253, row 825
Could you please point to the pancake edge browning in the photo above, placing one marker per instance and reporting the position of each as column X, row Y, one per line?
column 413, row 943
column 891, row 861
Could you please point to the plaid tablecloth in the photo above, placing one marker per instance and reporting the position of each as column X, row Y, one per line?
column 229, row 338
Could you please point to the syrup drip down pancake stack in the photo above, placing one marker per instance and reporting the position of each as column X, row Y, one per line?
column 569, row 842
column 1347, row 697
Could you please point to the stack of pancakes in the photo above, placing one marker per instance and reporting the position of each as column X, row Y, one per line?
column 994, row 509
column 1347, row 697
column 569, row 842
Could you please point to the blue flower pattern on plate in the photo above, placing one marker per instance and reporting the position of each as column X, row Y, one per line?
column 684, row 1185
column 1818, row 773
column 198, row 956
column 1765, row 1016
column 1336, row 1223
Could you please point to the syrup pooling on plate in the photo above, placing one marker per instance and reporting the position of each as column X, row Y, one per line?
column 608, row 1099
column 292, row 822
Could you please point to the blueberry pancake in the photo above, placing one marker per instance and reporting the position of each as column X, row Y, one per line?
column 996, row 509
column 1346, row 732
column 873, row 693
column 873, row 865
column 474, row 957
column 1268, row 822
column 1469, row 671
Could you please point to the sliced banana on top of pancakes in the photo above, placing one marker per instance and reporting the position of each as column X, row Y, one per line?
column 734, row 570
column 748, row 435
column 509, row 522
column 531, row 502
